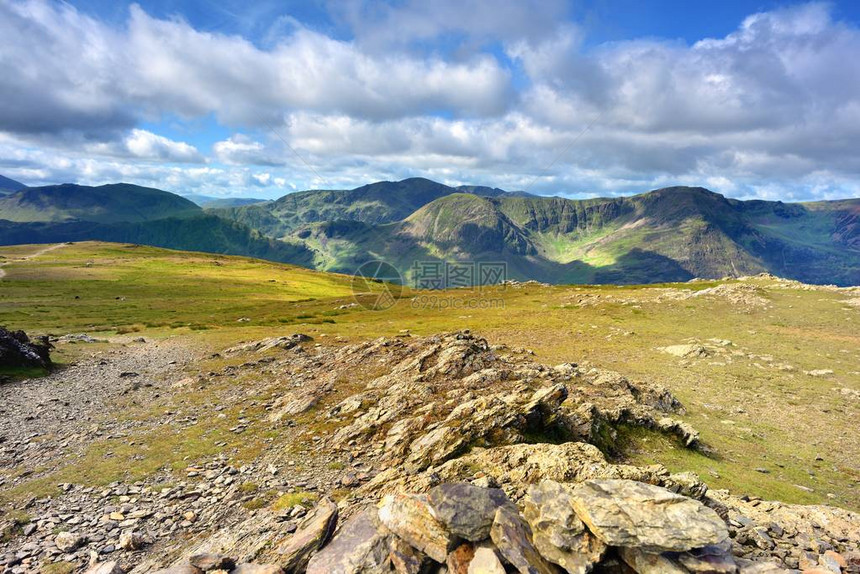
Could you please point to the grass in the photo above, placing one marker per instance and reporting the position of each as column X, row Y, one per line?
column 750, row 414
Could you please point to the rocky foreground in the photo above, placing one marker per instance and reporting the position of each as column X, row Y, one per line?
column 458, row 457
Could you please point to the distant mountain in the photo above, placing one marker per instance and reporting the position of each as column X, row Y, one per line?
column 382, row 202
column 210, row 202
column 120, row 202
column 8, row 186
column 671, row 234
column 133, row 214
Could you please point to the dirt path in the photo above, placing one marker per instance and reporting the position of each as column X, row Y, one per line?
column 31, row 256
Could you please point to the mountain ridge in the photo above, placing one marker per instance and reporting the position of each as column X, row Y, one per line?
column 668, row 234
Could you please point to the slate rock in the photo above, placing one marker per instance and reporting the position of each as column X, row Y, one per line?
column 361, row 547
column 512, row 537
column 626, row 513
column 467, row 511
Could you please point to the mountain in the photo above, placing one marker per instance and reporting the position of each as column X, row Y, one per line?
column 132, row 214
column 8, row 186
column 210, row 202
column 114, row 203
column 375, row 203
column 671, row 234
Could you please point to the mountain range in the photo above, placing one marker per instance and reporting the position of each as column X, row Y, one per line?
column 670, row 234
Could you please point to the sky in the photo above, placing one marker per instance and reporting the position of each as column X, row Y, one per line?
column 576, row 98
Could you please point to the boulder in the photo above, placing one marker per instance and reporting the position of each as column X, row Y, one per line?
column 709, row 560
column 465, row 510
column 112, row 567
column 404, row 559
column 638, row 515
column 183, row 568
column 512, row 537
column 312, row 533
column 69, row 541
column 459, row 559
column 130, row 540
column 645, row 563
column 411, row 518
column 557, row 532
column 211, row 561
column 18, row 351
column 485, row 561
column 249, row 568
column 361, row 547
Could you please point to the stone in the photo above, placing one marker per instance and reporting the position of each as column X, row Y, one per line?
column 404, row 559
column 248, row 568
column 557, row 532
column 183, row 568
column 209, row 561
column 312, row 533
column 130, row 540
column 467, row 511
column 411, row 518
column 69, row 541
column 638, row 515
column 512, row 537
column 361, row 547
column 644, row 563
column 459, row 559
column 112, row 567
column 709, row 560
column 485, row 561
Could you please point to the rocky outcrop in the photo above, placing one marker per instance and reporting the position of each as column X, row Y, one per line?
column 17, row 351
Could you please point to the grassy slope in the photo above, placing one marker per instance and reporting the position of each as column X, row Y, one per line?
column 113, row 203
column 672, row 234
column 752, row 415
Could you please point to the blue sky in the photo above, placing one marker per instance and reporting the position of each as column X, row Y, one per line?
column 582, row 98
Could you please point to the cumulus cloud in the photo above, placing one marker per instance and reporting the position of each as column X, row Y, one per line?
column 773, row 105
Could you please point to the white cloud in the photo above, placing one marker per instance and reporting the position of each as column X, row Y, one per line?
column 773, row 105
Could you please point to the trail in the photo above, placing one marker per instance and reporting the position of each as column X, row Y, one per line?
column 31, row 256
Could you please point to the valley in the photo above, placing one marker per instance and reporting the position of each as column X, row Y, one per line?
column 765, row 369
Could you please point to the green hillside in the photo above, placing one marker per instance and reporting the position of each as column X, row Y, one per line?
column 671, row 234
column 206, row 233
column 121, row 202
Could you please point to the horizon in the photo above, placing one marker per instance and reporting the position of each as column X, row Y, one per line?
column 593, row 99
column 508, row 191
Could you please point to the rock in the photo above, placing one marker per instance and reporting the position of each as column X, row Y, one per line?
column 512, row 537
column 183, row 568
column 465, row 510
column 709, row 560
column 361, row 547
column 411, row 518
column 69, row 541
column 404, row 559
column 112, row 567
column 458, row 561
column 18, row 351
column 557, row 532
column 210, row 561
column 312, row 533
column 130, row 540
column 644, row 563
column 248, row 568
column 638, row 515
column 485, row 561
column 686, row 351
